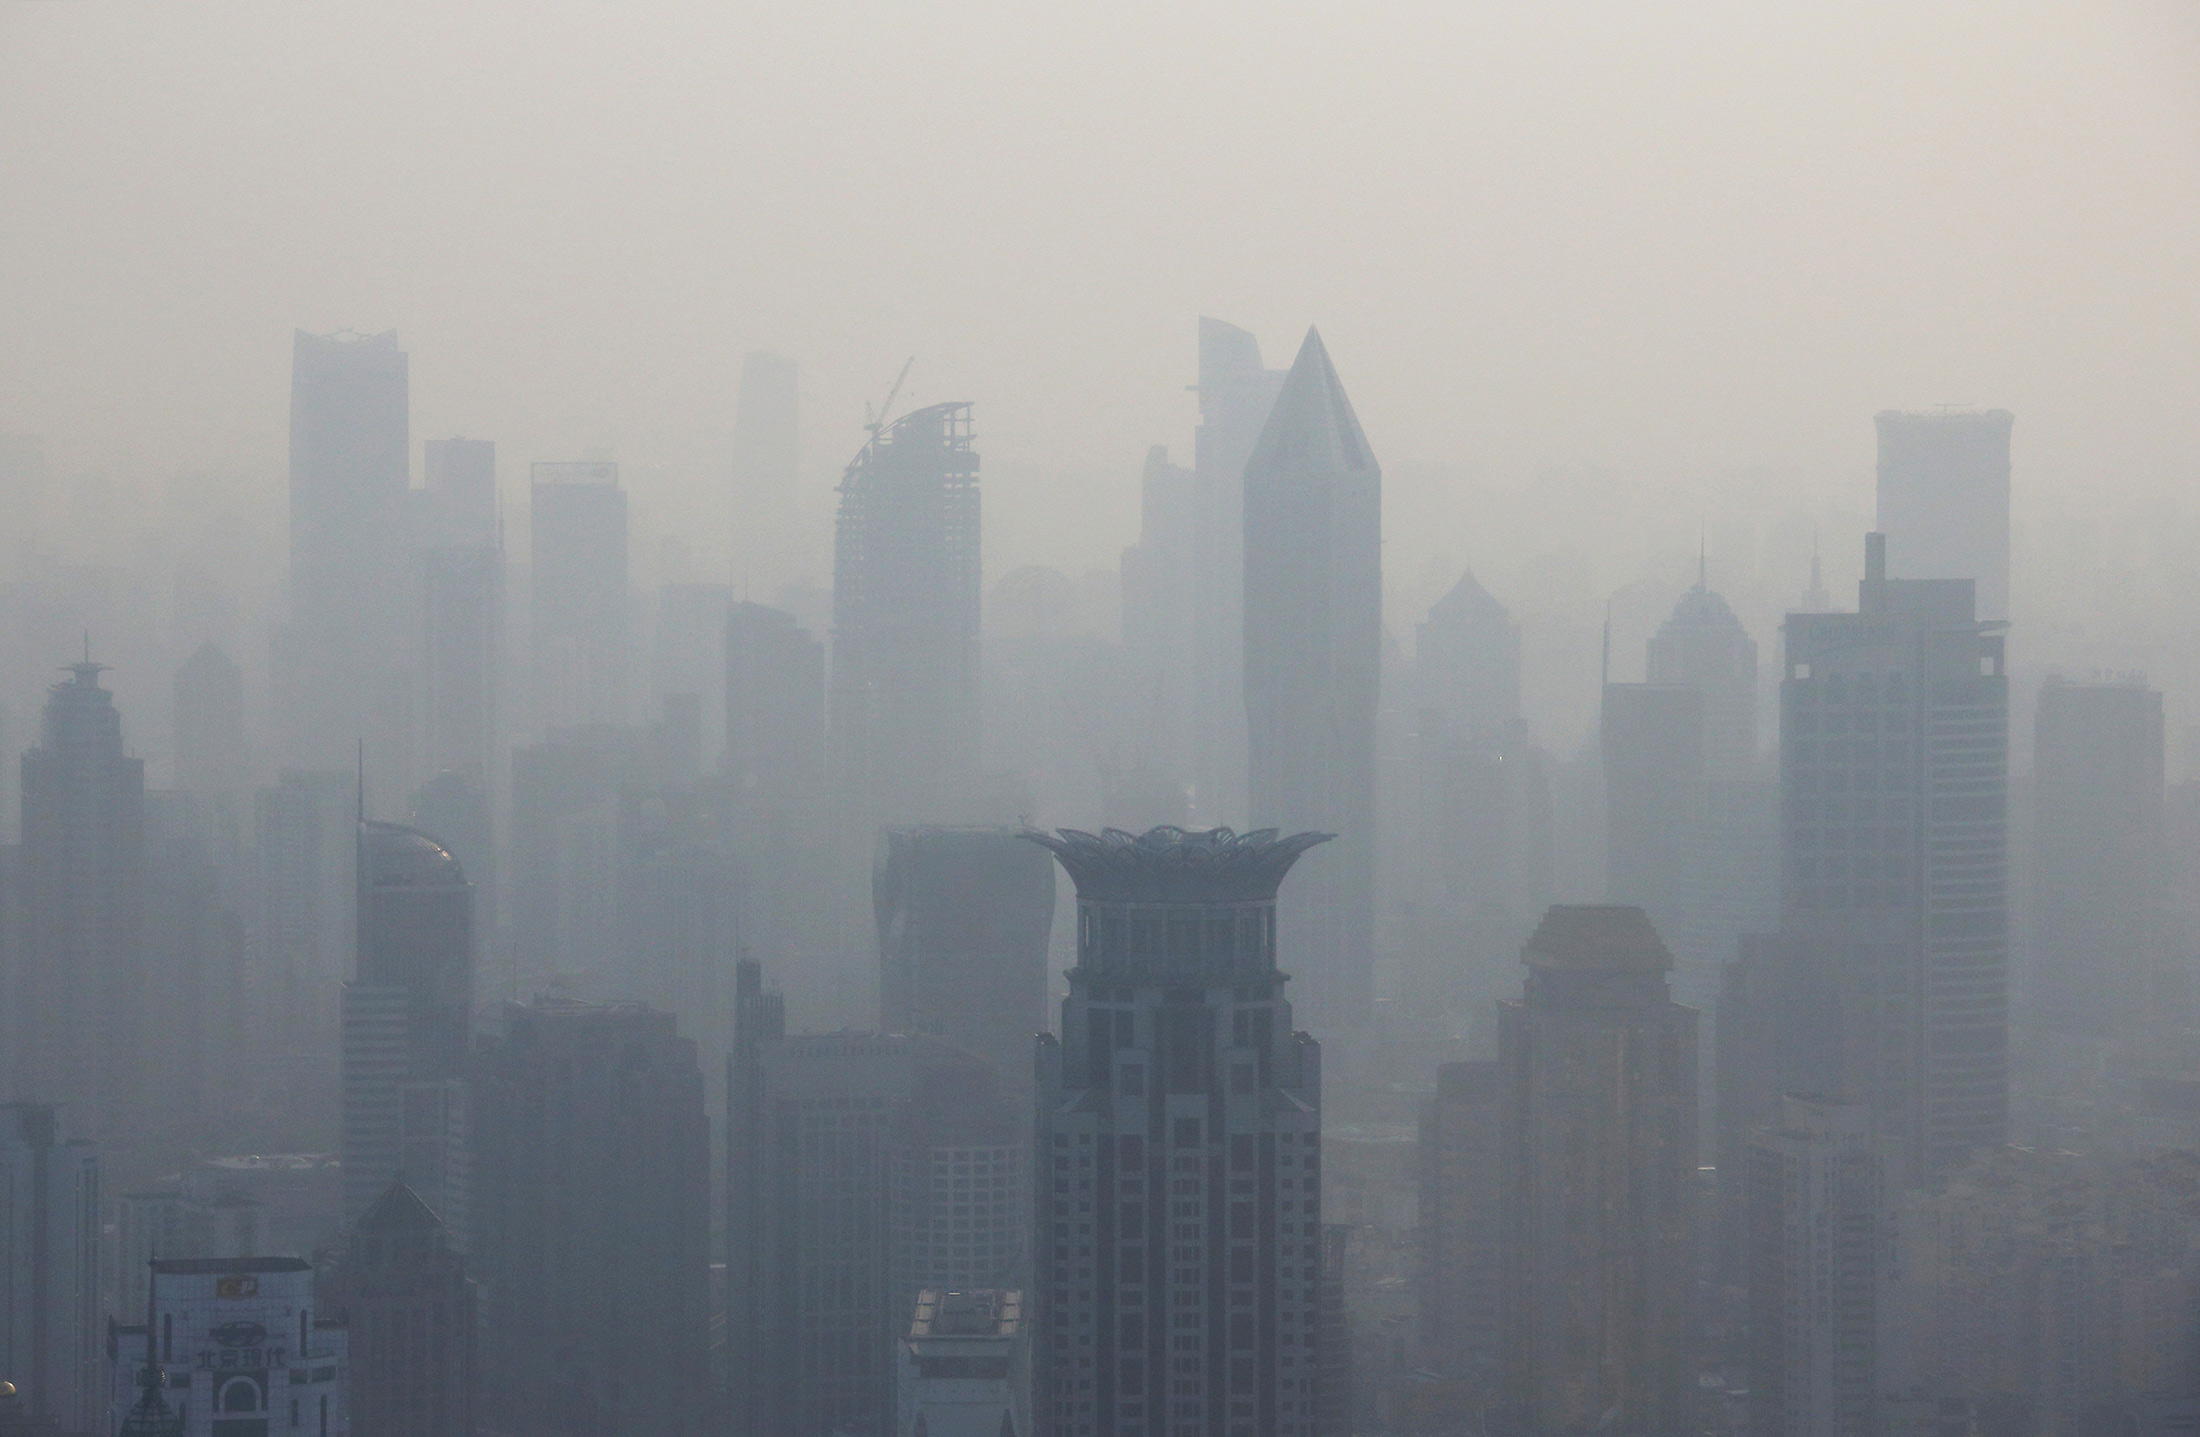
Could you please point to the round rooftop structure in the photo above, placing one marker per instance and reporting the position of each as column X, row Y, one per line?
column 395, row 856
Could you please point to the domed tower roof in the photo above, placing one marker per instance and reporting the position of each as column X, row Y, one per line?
column 394, row 856
column 1701, row 608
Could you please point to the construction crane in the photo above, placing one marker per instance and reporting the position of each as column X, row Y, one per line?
column 875, row 421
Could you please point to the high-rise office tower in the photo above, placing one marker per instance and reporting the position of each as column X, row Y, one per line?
column 1894, row 773
column 1313, row 648
column 688, row 656
column 414, row 1334
column 305, row 880
column 965, row 1366
column 196, row 977
column 1462, row 1260
column 578, row 576
column 592, row 1221
column 1161, row 614
column 1944, row 498
column 212, row 751
column 461, row 495
column 462, row 642
column 863, row 1168
column 775, row 703
column 904, row 721
column 81, row 1022
column 766, row 451
column 963, row 920
column 49, row 1268
column 1466, row 663
column 2098, row 859
column 1702, row 646
column 1818, row 1253
column 1178, row 1245
column 458, row 811
column 350, row 470
column 564, row 849
column 1652, row 743
column 1235, row 395
column 1599, row 1170
column 406, row 1016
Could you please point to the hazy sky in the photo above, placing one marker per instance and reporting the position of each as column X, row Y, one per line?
column 1664, row 243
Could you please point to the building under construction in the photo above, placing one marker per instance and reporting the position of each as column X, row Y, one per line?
column 905, row 621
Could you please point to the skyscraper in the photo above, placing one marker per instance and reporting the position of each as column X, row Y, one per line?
column 411, row 1309
column 49, row 1268
column 964, row 915
column 766, row 451
column 579, row 607
column 1894, row 849
column 2098, row 859
column 1462, row 1258
column 462, row 644
column 863, row 1168
column 904, row 720
column 1944, row 498
column 211, row 748
column 1702, row 646
column 965, row 1366
column 406, row 1018
column 241, row 1343
column 1651, row 739
column 775, row 703
column 1818, row 1257
column 350, row 470
column 1599, row 1171
column 688, row 656
column 1466, row 663
column 1178, row 1238
column 461, row 495
column 81, row 1022
column 305, row 887
column 592, row 1221
column 1313, row 647
column 1161, row 614
column 1235, row 395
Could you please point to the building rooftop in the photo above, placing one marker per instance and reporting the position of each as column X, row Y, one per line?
column 395, row 856
column 1596, row 936
column 980, row 1312
column 225, row 1266
column 1174, row 865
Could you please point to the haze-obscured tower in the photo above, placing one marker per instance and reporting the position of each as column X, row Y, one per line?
column 904, row 722
column 579, row 562
column 1462, row 1255
column 1313, row 650
column 1702, row 646
column 80, row 1022
column 462, row 610
column 1599, row 1172
column 50, row 1303
column 414, row 1333
column 211, row 748
column 1162, row 616
column 1179, row 1237
column 350, row 470
column 406, row 1017
column 593, row 1220
column 1894, row 774
column 964, row 915
column 766, row 465
column 1235, row 395
column 1944, row 498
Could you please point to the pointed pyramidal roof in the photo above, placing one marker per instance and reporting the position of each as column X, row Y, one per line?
column 1467, row 601
column 399, row 1209
column 1312, row 424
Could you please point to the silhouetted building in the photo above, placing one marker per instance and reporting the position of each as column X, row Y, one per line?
column 904, row 720
column 304, row 888
column 211, row 748
column 592, row 1223
column 1466, row 663
column 244, row 1347
column 196, row 977
column 350, row 474
column 775, row 704
column 964, row 1369
column 50, row 1300
column 1462, row 1259
column 1599, row 1169
column 1178, row 1237
column 578, row 573
column 1313, row 649
column 688, row 660
column 1652, row 742
column 564, row 875
column 1818, row 1242
column 404, row 1295
column 80, row 1023
column 864, row 1168
column 1162, row 617
column 964, row 915
column 461, row 495
column 1894, row 776
column 406, row 1018
column 1235, row 395
column 1944, row 498
column 1702, row 646
column 766, row 451
column 2098, row 859
column 462, row 658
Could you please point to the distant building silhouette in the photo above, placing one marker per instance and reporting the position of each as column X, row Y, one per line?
column 1944, row 498
column 1313, row 648
column 1462, row 1256
column 1894, row 850
column 1599, row 1170
column 1702, row 646
column 1162, row 616
column 1651, row 738
column 766, row 465
column 462, row 659
column 411, row 1313
column 212, row 752
column 964, row 915
column 775, row 704
column 1235, row 395
column 406, row 1018
column 80, row 1019
column 50, row 1292
column 460, row 500
column 578, row 573
column 304, row 890
column 688, row 657
column 1179, row 1235
column 591, row 1214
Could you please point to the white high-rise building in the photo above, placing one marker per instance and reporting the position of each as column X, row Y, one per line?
column 240, row 1349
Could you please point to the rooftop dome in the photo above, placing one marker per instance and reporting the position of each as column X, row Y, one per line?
column 398, row 857
column 1700, row 608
